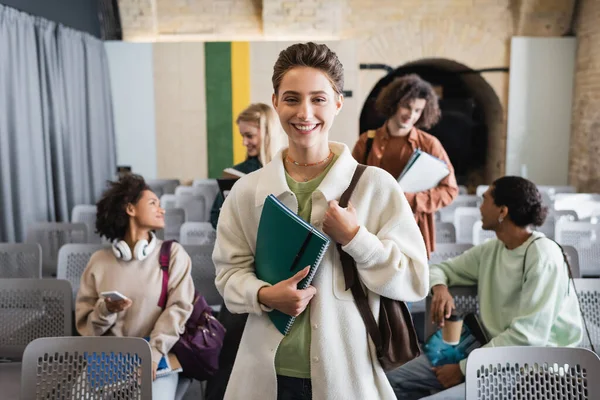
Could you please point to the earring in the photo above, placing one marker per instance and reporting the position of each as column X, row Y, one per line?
column 500, row 220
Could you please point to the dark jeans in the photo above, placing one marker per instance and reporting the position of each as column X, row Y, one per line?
column 289, row 388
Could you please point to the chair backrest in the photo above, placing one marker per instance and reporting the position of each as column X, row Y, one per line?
column 565, row 215
column 86, row 213
column 481, row 190
column 464, row 219
column 30, row 309
column 532, row 373
column 465, row 299
column 481, row 236
column 209, row 188
column 117, row 368
column 167, row 185
column 194, row 201
column 168, row 201
column 585, row 238
column 20, row 260
column 445, row 232
column 462, row 200
column 589, row 297
column 571, row 253
column 174, row 219
column 584, row 204
column 444, row 251
column 157, row 189
column 52, row 236
column 197, row 233
column 203, row 272
column 72, row 260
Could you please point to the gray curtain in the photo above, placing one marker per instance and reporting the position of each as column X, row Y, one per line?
column 57, row 141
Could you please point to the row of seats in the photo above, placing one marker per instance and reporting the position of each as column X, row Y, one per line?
column 46, row 238
column 466, row 226
column 38, row 308
column 23, row 261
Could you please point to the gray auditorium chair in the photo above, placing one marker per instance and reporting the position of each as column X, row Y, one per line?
column 116, row 368
column 20, row 260
column 29, row 309
column 86, row 213
column 72, row 260
column 52, row 236
column 532, row 373
column 203, row 272
column 445, row 232
column 197, row 233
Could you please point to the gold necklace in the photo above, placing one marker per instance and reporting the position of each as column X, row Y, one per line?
column 290, row 160
column 311, row 177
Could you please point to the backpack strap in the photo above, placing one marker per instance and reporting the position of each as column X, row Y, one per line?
column 347, row 260
column 164, row 258
column 351, row 274
column 571, row 280
column 369, row 144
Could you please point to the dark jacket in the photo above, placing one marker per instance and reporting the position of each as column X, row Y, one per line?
column 250, row 165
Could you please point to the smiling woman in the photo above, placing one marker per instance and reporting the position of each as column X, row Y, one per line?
column 128, row 213
column 377, row 229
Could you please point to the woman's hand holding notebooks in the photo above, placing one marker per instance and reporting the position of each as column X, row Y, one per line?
column 285, row 295
column 285, row 245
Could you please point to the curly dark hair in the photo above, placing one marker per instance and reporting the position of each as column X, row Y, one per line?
column 313, row 55
column 522, row 198
column 112, row 220
column 402, row 91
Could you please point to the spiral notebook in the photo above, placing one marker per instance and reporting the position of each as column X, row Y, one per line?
column 285, row 245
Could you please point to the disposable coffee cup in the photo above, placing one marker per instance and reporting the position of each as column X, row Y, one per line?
column 452, row 329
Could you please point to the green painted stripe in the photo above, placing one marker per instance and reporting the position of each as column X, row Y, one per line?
column 218, row 107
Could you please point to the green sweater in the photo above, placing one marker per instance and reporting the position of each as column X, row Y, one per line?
column 539, row 309
column 250, row 165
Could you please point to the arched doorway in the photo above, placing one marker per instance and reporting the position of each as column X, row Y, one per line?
column 472, row 116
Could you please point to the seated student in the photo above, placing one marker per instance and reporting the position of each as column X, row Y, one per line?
column 523, row 288
column 127, row 215
column 262, row 138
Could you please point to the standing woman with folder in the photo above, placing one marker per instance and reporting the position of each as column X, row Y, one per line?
column 327, row 354
column 409, row 102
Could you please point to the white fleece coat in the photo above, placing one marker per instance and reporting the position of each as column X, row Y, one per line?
column 391, row 260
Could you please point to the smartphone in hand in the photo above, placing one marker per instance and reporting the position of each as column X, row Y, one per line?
column 113, row 295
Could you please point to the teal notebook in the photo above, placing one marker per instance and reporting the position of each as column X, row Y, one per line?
column 285, row 245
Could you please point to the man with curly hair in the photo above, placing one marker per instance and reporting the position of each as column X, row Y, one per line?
column 525, row 295
column 409, row 102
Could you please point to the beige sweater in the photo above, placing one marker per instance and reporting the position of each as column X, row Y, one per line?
column 141, row 281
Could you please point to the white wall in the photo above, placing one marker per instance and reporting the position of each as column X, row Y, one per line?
column 132, row 85
column 539, row 108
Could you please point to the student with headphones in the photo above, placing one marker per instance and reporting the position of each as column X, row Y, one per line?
column 128, row 213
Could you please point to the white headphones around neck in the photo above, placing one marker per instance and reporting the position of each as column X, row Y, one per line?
column 141, row 250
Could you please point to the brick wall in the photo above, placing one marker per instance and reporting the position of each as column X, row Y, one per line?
column 585, row 139
column 474, row 33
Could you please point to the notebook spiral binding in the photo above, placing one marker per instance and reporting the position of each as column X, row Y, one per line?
column 309, row 278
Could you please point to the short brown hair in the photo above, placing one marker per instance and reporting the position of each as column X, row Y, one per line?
column 312, row 55
column 402, row 91
column 112, row 220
